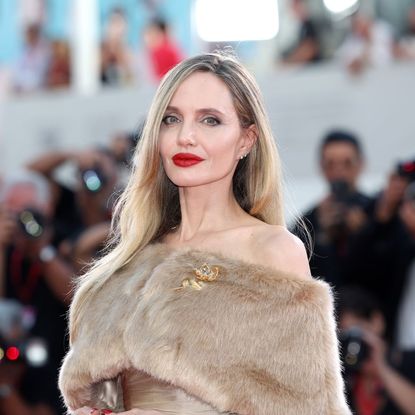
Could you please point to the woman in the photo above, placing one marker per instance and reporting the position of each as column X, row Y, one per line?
column 205, row 304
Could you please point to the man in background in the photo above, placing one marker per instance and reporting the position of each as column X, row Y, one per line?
column 336, row 220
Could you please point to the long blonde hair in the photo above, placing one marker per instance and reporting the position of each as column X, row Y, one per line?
column 149, row 206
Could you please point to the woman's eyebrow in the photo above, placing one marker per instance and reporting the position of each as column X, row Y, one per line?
column 210, row 110
column 172, row 108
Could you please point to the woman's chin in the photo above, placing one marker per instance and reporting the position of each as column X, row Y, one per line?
column 189, row 179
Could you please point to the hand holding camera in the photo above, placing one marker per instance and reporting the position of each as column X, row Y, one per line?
column 330, row 213
column 27, row 228
column 340, row 213
column 396, row 191
column 34, row 230
column 361, row 347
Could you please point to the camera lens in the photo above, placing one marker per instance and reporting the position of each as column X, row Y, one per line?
column 354, row 349
column 93, row 179
column 31, row 222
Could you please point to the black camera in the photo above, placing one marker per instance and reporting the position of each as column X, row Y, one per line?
column 93, row 179
column 354, row 350
column 343, row 192
column 406, row 169
column 32, row 222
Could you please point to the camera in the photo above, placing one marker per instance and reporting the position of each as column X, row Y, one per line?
column 16, row 345
column 406, row 169
column 32, row 222
column 93, row 179
column 343, row 193
column 354, row 350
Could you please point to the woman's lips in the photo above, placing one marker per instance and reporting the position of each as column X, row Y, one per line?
column 186, row 159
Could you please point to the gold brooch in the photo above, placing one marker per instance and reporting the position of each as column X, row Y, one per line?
column 203, row 274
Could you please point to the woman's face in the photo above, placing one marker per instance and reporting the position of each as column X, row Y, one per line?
column 201, row 139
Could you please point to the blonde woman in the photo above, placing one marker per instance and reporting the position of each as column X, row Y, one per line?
column 205, row 303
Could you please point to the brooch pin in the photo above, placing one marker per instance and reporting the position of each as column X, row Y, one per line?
column 203, row 274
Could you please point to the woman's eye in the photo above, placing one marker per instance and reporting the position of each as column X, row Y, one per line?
column 211, row 121
column 170, row 119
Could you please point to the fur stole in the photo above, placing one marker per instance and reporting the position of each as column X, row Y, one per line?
column 256, row 341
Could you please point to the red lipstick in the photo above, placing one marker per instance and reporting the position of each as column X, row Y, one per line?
column 186, row 159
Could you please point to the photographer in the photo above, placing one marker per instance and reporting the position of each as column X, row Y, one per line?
column 386, row 246
column 337, row 220
column 89, row 203
column 33, row 273
column 379, row 381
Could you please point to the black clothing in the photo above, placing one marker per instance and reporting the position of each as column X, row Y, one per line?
column 67, row 220
column 376, row 258
column 330, row 258
column 26, row 284
column 383, row 253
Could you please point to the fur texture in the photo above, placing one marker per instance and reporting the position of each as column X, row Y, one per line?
column 256, row 341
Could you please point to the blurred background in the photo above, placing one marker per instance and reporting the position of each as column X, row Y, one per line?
column 90, row 72
column 338, row 78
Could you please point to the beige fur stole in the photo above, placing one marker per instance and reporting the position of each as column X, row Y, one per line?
column 256, row 341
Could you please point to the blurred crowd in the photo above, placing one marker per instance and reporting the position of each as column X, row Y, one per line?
column 368, row 42
column 119, row 65
column 363, row 40
column 46, row 64
column 42, row 64
column 364, row 246
column 49, row 232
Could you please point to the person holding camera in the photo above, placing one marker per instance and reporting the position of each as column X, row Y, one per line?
column 33, row 273
column 386, row 246
column 336, row 220
column 87, row 205
column 379, row 380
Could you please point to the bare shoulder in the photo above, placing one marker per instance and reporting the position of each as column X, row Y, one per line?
column 280, row 249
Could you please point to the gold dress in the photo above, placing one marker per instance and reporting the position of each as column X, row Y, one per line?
column 142, row 391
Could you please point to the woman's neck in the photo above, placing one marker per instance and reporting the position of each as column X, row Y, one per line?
column 207, row 209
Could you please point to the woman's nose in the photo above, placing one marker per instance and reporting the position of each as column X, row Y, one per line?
column 186, row 135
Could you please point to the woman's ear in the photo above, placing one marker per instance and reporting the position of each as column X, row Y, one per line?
column 250, row 136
